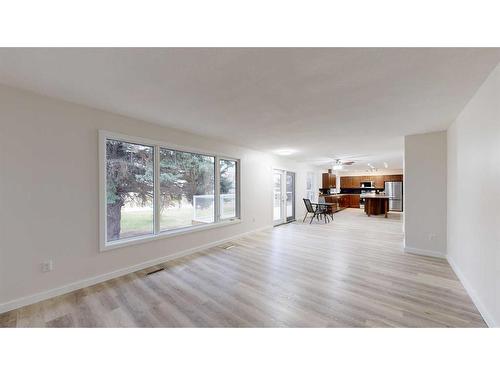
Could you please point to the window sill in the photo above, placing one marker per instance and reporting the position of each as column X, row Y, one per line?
column 171, row 233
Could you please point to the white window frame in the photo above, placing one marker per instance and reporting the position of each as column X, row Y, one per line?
column 217, row 189
column 313, row 184
column 104, row 245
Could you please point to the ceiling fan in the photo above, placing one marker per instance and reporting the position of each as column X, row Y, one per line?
column 339, row 164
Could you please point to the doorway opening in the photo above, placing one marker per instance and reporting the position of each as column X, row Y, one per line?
column 284, row 196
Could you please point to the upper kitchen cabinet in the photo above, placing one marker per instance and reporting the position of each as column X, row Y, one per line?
column 393, row 178
column 356, row 181
column 345, row 182
column 378, row 181
column 329, row 180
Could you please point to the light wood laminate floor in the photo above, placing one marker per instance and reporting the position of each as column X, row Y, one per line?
column 348, row 273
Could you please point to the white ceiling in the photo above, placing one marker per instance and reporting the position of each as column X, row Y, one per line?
column 323, row 103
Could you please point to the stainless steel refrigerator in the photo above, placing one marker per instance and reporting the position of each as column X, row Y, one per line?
column 395, row 191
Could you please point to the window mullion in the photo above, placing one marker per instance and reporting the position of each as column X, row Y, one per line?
column 156, row 179
column 238, row 189
column 217, row 189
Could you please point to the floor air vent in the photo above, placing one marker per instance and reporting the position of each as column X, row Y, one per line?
column 155, row 271
column 227, row 245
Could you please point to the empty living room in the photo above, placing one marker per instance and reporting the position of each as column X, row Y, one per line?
column 190, row 188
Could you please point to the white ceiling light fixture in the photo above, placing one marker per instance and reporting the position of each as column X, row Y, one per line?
column 284, row 152
column 339, row 164
column 386, row 166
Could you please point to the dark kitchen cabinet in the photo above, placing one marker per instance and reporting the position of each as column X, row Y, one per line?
column 393, row 178
column 354, row 201
column 328, row 180
column 356, row 181
column 343, row 201
column 344, row 182
column 378, row 181
column 347, row 182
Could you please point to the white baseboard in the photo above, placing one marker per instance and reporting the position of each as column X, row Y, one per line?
column 427, row 253
column 488, row 318
column 37, row 297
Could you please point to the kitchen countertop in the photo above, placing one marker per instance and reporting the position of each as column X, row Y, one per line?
column 337, row 195
column 377, row 196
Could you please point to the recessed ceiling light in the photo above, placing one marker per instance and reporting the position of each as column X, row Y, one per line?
column 386, row 165
column 284, row 152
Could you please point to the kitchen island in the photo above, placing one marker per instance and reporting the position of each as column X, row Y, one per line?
column 341, row 201
column 376, row 204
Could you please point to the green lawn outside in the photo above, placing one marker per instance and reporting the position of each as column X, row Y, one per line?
column 141, row 222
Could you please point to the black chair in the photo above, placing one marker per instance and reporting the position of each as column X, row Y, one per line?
column 317, row 212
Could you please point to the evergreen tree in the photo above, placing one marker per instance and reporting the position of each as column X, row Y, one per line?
column 129, row 171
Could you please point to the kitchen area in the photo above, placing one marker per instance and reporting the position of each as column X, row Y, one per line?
column 376, row 194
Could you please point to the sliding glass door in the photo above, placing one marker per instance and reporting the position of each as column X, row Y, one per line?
column 284, row 196
column 290, row 196
column 278, row 206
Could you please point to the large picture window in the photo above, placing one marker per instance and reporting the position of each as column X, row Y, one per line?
column 129, row 190
column 152, row 190
column 186, row 189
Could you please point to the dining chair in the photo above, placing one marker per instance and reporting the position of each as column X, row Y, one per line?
column 317, row 212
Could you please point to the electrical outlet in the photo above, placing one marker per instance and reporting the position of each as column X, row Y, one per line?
column 432, row 236
column 47, row 266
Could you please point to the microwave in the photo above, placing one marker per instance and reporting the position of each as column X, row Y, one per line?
column 367, row 184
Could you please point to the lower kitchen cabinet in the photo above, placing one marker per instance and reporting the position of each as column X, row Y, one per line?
column 354, row 201
column 343, row 201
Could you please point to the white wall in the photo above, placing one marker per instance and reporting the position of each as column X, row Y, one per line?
column 49, row 195
column 425, row 194
column 474, row 199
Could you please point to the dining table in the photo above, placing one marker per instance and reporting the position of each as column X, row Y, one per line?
column 324, row 204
